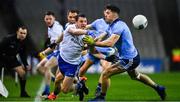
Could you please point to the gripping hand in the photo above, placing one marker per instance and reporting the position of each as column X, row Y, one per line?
column 88, row 40
column 41, row 55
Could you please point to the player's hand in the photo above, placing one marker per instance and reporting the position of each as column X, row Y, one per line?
column 88, row 40
column 42, row 55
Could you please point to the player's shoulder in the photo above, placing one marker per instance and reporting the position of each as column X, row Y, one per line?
column 57, row 25
column 71, row 26
column 118, row 22
column 100, row 20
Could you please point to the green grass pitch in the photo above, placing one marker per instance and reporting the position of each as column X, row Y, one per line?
column 122, row 88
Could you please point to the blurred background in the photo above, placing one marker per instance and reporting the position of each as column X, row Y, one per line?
column 158, row 44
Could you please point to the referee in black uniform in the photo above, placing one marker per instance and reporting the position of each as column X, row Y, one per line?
column 11, row 47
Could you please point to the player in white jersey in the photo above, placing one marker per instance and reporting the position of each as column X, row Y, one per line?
column 69, row 58
column 128, row 58
column 55, row 31
column 71, row 14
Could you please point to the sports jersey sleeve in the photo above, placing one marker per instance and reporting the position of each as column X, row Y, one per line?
column 118, row 28
column 93, row 24
column 70, row 27
column 58, row 30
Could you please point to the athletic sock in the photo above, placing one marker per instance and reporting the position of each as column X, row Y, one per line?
column 47, row 89
column 22, row 85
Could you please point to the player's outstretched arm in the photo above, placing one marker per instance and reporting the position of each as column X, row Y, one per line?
column 106, row 43
column 101, row 37
column 77, row 31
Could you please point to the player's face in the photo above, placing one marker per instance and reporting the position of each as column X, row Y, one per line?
column 108, row 15
column 49, row 20
column 21, row 34
column 71, row 17
column 82, row 22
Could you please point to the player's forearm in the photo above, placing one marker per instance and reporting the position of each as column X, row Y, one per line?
column 101, row 37
column 88, row 27
column 78, row 31
column 104, row 44
column 46, row 51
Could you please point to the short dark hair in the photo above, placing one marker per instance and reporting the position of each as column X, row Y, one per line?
column 22, row 27
column 80, row 15
column 50, row 13
column 73, row 11
column 113, row 8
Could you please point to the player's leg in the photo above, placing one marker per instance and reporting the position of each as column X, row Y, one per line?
column 132, row 65
column 69, row 71
column 57, row 86
column 40, row 66
column 135, row 75
column 105, row 75
column 85, row 67
column 51, row 63
column 148, row 81
column 105, row 64
column 67, row 85
column 22, row 78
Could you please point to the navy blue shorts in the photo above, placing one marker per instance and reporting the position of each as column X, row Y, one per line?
column 66, row 68
column 54, row 54
column 130, row 64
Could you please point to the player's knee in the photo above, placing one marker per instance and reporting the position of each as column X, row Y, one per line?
column 135, row 77
column 105, row 74
column 22, row 75
column 65, row 90
column 40, row 69
column 59, row 78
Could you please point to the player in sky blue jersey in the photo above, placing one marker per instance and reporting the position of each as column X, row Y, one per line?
column 128, row 59
column 100, row 26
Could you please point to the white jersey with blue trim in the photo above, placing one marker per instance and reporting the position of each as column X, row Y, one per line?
column 71, row 46
column 125, row 45
column 66, row 25
column 55, row 31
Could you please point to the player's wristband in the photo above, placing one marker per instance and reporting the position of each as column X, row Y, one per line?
column 53, row 45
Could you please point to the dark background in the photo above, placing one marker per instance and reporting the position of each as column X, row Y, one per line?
column 156, row 41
